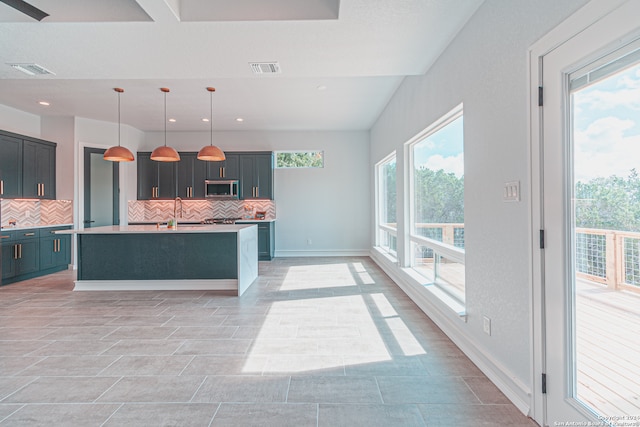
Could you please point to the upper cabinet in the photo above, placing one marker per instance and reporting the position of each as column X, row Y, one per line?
column 256, row 175
column 10, row 167
column 185, row 179
column 156, row 180
column 226, row 169
column 191, row 175
column 27, row 167
column 39, row 170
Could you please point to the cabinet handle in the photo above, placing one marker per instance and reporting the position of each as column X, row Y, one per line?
column 20, row 250
column 15, row 251
column 29, row 234
column 4, row 237
column 190, row 191
column 42, row 190
column 224, row 172
column 58, row 240
column 1, row 187
column 257, row 191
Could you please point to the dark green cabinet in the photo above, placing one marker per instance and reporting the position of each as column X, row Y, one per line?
column 10, row 166
column 20, row 253
column 191, row 175
column 27, row 167
column 256, row 176
column 156, row 180
column 38, row 169
column 226, row 169
column 34, row 252
column 266, row 239
column 55, row 249
column 185, row 179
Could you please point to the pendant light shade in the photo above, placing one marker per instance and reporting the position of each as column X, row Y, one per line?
column 118, row 153
column 165, row 153
column 210, row 152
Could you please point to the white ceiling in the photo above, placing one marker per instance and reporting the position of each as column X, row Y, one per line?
column 359, row 50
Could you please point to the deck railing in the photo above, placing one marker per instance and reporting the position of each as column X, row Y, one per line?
column 609, row 257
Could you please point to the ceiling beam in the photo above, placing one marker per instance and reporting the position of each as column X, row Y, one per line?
column 162, row 11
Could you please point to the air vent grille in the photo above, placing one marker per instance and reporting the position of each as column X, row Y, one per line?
column 32, row 69
column 265, row 67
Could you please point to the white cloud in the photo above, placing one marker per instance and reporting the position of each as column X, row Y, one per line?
column 603, row 149
column 627, row 96
column 451, row 164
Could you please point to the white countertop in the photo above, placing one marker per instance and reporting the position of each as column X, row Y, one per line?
column 28, row 227
column 137, row 229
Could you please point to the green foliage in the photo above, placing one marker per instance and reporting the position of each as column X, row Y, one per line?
column 310, row 159
column 439, row 197
column 611, row 203
column 390, row 192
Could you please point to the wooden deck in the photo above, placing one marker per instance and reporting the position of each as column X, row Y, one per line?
column 608, row 349
column 607, row 342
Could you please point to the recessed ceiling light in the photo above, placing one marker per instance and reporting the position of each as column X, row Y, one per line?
column 45, row 103
column 239, row 120
column 172, row 120
column 322, row 87
column 205, row 119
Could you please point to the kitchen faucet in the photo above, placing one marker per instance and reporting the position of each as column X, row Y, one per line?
column 175, row 208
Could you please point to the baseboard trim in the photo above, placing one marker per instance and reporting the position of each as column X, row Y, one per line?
column 451, row 324
column 320, row 253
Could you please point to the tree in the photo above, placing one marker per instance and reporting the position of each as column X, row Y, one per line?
column 299, row 159
column 611, row 203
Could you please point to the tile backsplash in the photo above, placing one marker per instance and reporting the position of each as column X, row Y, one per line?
column 29, row 213
column 198, row 210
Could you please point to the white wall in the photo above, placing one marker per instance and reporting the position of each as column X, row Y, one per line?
column 18, row 121
column 99, row 134
column 329, row 206
column 486, row 68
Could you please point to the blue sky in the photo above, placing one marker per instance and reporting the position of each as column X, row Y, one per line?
column 443, row 149
column 607, row 126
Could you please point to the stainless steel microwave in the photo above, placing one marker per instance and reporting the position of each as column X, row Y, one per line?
column 221, row 189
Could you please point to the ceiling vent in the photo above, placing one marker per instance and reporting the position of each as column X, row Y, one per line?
column 265, row 67
column 32, row 69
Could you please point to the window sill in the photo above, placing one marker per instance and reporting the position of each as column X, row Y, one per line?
column 452, row 303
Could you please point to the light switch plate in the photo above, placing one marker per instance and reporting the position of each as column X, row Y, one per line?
column 511, row 191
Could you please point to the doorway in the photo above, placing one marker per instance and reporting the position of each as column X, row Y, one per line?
column 101, row 189
column 588, row 158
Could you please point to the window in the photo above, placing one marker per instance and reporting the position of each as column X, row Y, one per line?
column 299, row 159
column 437, row 204
column 387, row 229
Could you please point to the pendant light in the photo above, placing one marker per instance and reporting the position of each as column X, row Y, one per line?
column 164, row 153
column 118, row 153
column 210, row 152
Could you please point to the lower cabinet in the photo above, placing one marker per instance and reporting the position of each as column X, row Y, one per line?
column 55, row 249
column 34, row 252
column 266, row 239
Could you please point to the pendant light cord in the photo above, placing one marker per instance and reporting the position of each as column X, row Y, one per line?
column 165, row 119
column 118, row 119
column 211, row 119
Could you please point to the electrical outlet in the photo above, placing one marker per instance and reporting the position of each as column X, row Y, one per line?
column 486, row 325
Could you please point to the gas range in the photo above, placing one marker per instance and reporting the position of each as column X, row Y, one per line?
column 220, row 220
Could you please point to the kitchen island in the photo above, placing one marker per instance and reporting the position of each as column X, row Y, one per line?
column 148, row 257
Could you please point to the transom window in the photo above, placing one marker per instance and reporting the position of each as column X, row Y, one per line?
column 299, row 159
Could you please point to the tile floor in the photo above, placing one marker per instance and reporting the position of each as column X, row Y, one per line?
column 314, row 342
